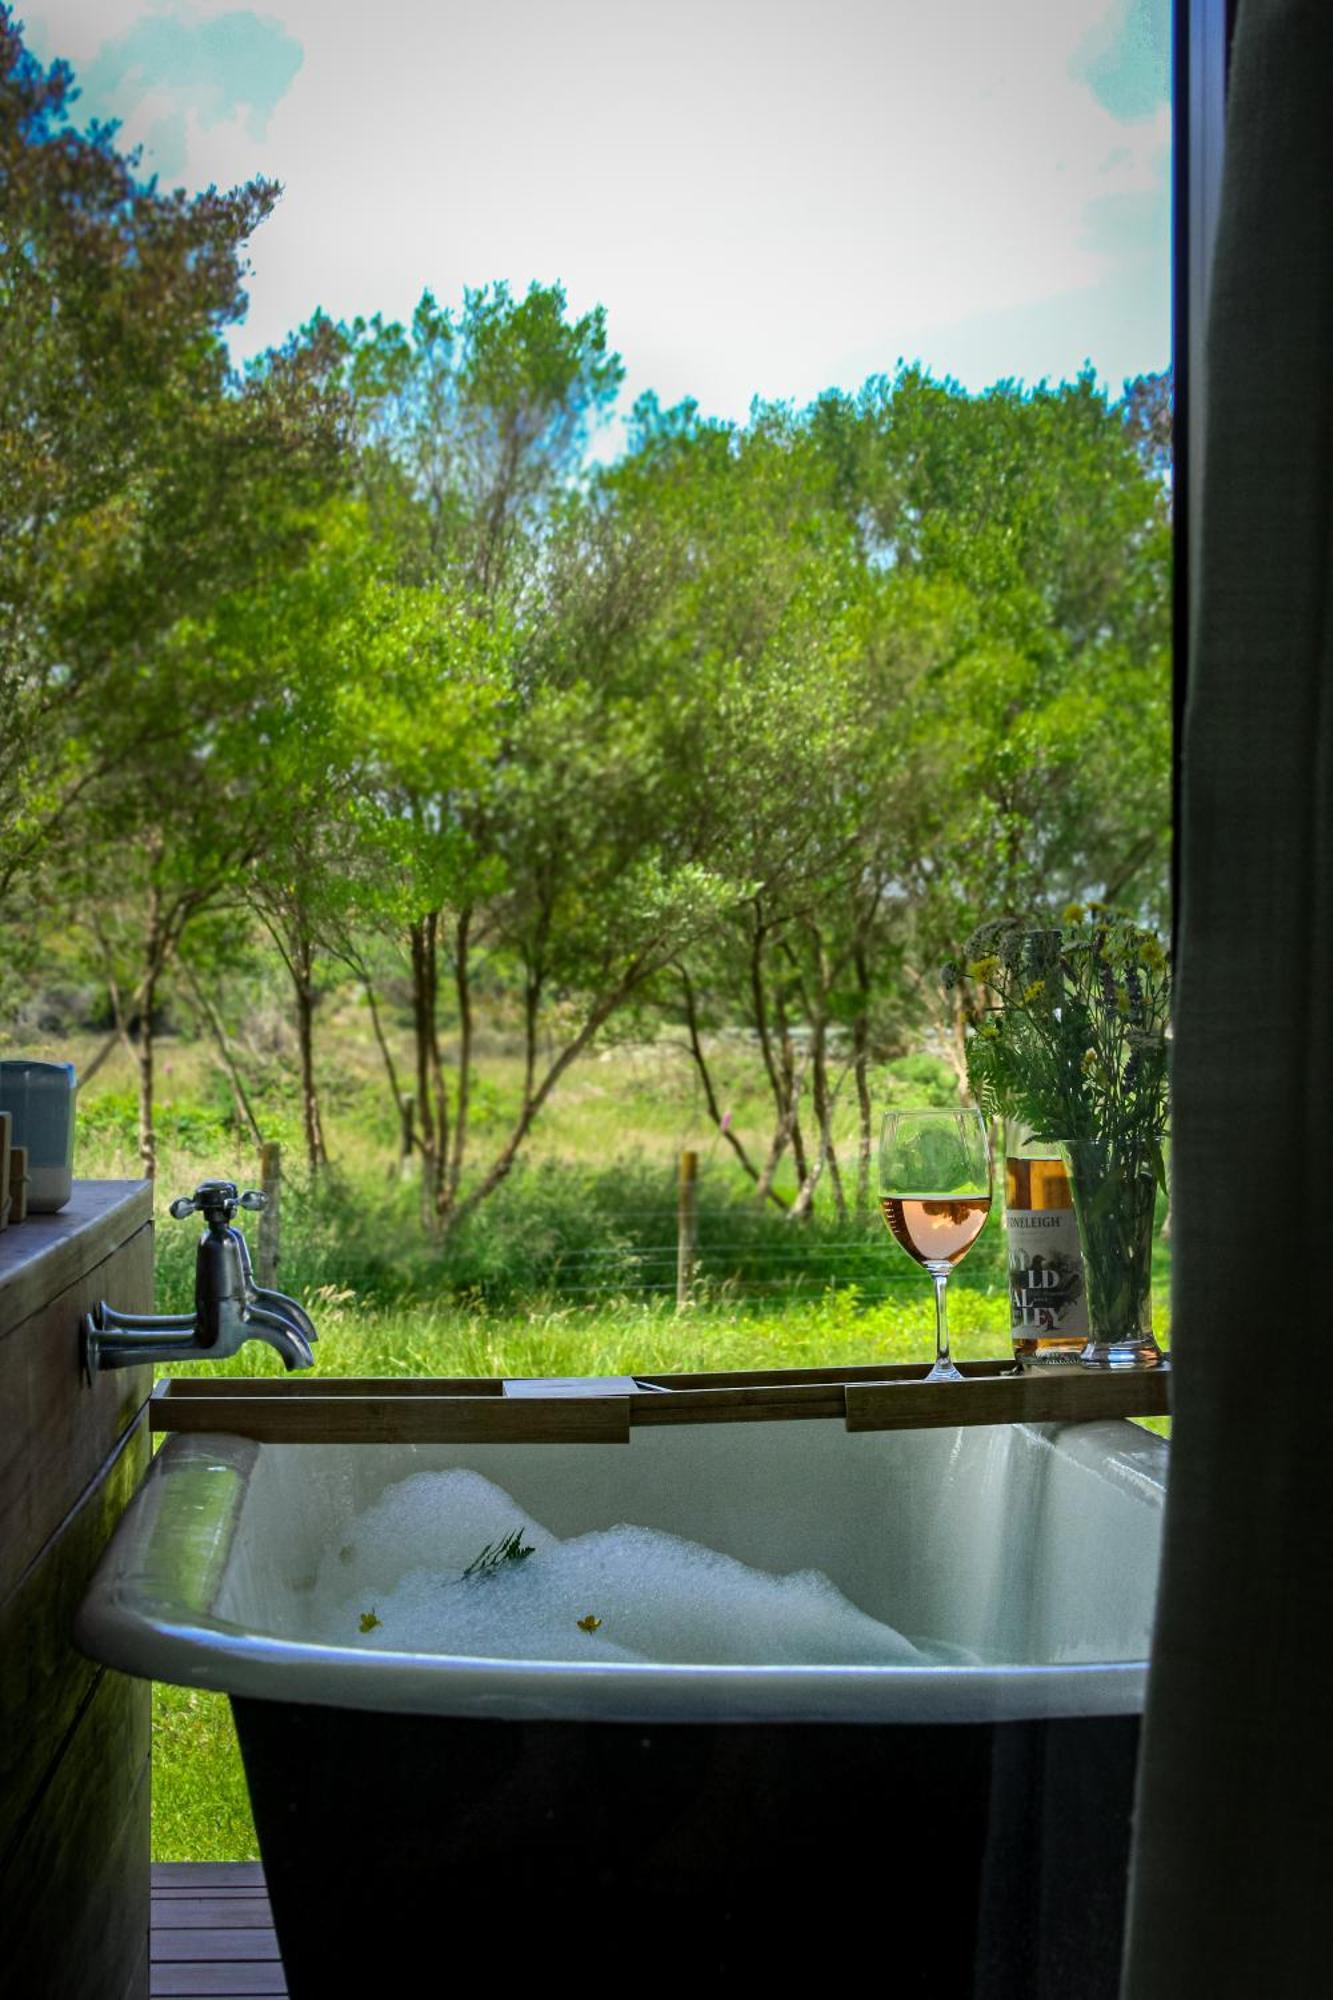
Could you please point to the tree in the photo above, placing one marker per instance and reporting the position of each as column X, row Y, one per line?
column 143, row 481
column 204, row 773
column 474, row 423
column 300, row 626
column 419, row 718
column 1148, row 408
column 473, row 431
column 115, row 432
column 919, row 645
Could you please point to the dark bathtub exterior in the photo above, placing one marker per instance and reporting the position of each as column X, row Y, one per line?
column 961, row 1859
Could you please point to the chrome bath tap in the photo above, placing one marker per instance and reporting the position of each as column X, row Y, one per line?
column 229, row 1307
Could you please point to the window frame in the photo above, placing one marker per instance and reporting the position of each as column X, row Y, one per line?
column 1202, row 32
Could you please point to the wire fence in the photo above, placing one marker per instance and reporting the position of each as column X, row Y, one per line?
column 652, row 1232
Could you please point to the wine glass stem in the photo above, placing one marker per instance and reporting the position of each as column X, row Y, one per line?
column 943, row 1358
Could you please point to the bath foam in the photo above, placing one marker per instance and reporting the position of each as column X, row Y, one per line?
column 439, row 1520
column 622, row 1593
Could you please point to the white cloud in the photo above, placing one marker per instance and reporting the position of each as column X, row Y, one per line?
column 762, row 192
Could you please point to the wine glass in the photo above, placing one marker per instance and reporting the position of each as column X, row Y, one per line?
column 935, row 1187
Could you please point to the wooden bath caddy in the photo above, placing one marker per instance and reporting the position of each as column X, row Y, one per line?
column 488, row 1410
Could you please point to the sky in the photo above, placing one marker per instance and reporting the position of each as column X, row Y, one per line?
column 770, row 197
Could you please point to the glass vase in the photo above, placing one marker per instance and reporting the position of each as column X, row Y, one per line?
column 1115, row 1200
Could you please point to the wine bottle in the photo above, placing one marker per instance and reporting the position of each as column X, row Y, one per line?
column 1048, row 1301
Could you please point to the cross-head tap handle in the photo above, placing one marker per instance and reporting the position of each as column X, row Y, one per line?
column 216, row 1201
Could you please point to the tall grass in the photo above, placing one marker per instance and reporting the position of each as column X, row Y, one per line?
column 589, row 1213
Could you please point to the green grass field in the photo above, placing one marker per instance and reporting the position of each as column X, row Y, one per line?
column 570, row 1270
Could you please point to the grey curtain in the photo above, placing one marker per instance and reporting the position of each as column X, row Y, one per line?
column 1232, row 1879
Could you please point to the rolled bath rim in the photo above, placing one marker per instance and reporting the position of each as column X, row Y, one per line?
column 151, row 1611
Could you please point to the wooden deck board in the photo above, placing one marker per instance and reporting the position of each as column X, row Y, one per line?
column 187, row 1877
column 212, row 1933
column 224, row 1890
column 212, row 1911
column 225, row 1982
column 177, row 1946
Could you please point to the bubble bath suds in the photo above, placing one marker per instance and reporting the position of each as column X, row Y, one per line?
column 623, row 1593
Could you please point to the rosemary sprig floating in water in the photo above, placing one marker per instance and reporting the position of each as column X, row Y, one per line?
column 510, row 1548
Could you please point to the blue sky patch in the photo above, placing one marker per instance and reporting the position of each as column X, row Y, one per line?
column 240, row 62
column 1126, row 59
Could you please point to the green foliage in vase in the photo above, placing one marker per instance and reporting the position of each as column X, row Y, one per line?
column 1073, row 1042
column 1074, row 1036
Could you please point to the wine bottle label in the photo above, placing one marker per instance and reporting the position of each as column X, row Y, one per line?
column 1046, row 1289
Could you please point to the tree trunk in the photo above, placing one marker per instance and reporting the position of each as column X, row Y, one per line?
column 721, row 1119
column 861, row 1066
column 781, row 1135
column 822, row 1095
column 164, row 926
column 824, row 1114
column 158, row 943
column 305, row 1036
column 535, row 1098
column 463, row 988
column 297, row 946
column 759, row 1007
column 244, row 1109
column 143, row 1057
column 432, row 1103
column 826, row 1160
column 404, row 1102
column 780, row 1067
column 958, row 1044
column 287, row 922
column 421, row 1005
column 790, row 1100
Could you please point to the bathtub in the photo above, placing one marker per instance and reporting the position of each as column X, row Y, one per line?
column 964, row 1825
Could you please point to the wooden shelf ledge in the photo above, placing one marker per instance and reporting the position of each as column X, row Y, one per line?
column 471, row 1410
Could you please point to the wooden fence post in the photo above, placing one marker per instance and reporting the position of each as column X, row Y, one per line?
column 687, row 1228
column 270, row 1217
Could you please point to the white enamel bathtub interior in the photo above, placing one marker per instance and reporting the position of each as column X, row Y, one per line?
column 1033, row 1547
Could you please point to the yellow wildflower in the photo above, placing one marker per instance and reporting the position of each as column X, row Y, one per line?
column 983, row 968
column 1073, row 913
column 1031, row 993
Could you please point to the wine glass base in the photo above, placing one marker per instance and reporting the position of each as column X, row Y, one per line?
column 944, row 1371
